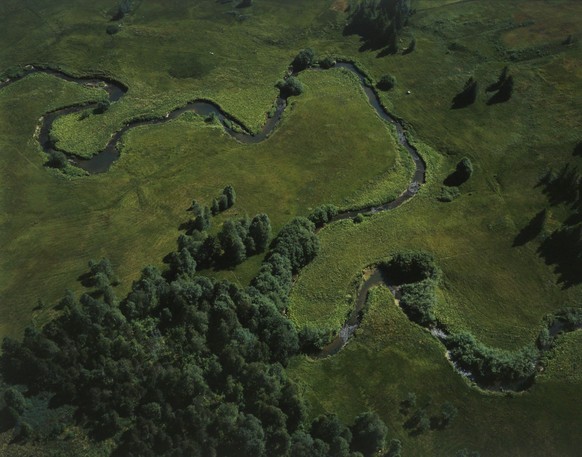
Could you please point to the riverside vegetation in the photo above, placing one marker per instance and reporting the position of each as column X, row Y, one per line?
column 212, row 351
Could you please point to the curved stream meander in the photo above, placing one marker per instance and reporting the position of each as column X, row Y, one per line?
column 102, row 160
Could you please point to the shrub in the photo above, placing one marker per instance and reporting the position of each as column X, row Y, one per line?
column 327, row 62
column 57, row 159
column 411, row 266
column 492, row 365
column 112, row 29
column 303, row 60
column 418, row 300
column 297, row 241
column 102, row 107
column 290, row 86
column 448, row 194
column 465, row 168
column 323, row 214
column 359, row 218
column 312, row 339
column 386, row 82
column 368, row 433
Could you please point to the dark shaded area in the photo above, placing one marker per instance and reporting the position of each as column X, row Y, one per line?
column 502, row 77
column 562, row 187
column 578, row 149
column 563, row 250
column 504, row 93
column 245, row 4
column 467, row 96
column 378, row 23
column 531, row 230
column 462, row 173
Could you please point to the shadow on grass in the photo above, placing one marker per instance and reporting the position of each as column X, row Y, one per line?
column 562, row 188
column 455, row 179
column 578, row 149
column 499, row 97
column 531, row 230
column 563, row 250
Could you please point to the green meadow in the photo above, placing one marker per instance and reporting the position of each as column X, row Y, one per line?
column 330, row 147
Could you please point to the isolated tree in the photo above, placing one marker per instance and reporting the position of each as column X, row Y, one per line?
column 57, row 159
column 290, row 86
column 260, row 232
column 368, row 433
column 386, row 82
column 303, row 60
column 448, row 413
column 230, row 194
column 395, row 449
column 465, row 168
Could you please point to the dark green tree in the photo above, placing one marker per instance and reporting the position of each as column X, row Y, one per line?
column 386, row 82
column 57, row 160
column 232, row 244
column 303, row 60
column 395, row 449
column 290, row 86
column 260, row 232
column 230, row 194
column 368, row 433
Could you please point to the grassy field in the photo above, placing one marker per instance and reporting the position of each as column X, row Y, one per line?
column 376, row 371
column 329, row 148
column 52, row 226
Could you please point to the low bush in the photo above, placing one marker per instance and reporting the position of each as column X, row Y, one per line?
column 492, row 365
column 411, row 266
column 386, row 82
column 290, row 86
column 323, row 214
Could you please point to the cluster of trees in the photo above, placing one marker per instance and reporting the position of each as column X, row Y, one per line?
column 378, row 22
column 185, row 365
column 323, row 214
column 241, row 238
column 418, row 273
column 421, row 418
column 492, row 366
column 225, row 201
column 411, row 266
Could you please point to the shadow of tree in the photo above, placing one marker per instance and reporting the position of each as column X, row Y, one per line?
column 563, row 250
column 531, row 230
